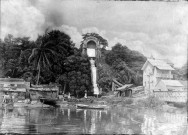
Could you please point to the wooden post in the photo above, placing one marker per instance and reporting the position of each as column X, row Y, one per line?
column 112, row 86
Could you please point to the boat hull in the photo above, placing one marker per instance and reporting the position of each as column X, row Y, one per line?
column 91, row 106
column 36, row 105
column 51, row 102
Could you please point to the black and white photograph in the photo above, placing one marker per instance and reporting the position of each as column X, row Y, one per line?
column 94, row 67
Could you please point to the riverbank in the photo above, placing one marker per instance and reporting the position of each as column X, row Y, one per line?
column 109, row 101
column 133, row 103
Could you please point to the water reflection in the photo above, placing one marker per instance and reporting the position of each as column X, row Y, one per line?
column 115, row 120
column 164, row 123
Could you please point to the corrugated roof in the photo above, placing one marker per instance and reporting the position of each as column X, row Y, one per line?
column 11, row 80
column 172, row 83
column 160, row 64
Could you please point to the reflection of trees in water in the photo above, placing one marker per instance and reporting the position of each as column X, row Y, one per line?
column 116, row 120
column 21, row 120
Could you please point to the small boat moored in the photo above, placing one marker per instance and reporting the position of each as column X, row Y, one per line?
column 83, row 106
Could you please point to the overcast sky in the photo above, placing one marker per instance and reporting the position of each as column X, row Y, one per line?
column 152, row 28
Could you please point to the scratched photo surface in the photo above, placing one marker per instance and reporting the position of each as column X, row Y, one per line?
column 93, row 67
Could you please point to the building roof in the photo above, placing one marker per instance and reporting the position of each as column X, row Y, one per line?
column 11, row 80
column 160, row 64
column 175, row 83
column 184, row 83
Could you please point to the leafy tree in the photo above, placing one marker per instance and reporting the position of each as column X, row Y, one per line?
column 11, row 51
column 3, row 57
column 126, row 64
column 180, row 73
column 105, row 76
column 53, row 58
column 77, row 78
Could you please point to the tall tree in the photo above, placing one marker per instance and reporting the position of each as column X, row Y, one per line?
column 11, row 53
column 77, row 78
column 52, row 49
column 126, row 64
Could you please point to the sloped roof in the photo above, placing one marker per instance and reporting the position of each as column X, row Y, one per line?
column 124, row 86
column 184, row 83
column 172, row 83
column 160, row 64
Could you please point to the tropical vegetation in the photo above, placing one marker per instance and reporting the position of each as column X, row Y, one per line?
column 53, row 58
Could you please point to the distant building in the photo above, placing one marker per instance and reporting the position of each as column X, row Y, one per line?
column 14, row 84
column 153, row 71
column 47, row 91
column 157, row 80
column 171, row 91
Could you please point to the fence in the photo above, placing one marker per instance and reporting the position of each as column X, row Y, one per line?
column 171, row 96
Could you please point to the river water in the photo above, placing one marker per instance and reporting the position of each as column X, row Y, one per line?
column 115, row 120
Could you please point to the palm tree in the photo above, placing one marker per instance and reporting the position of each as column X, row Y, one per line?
column 41, row 57
column 52, row 49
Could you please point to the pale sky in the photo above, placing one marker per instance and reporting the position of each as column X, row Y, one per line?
column 152, row 28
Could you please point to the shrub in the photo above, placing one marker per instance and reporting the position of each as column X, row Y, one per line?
column 150, row 102
column 128, row 101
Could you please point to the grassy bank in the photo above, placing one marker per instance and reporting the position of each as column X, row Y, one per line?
column 149, row 102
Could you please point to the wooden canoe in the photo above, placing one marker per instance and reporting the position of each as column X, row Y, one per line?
column 83, row 106
column 36, row 105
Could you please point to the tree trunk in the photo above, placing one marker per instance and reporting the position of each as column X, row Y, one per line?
column 38, row 74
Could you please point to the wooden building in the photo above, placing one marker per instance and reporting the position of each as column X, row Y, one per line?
column 13, row 84
column 153, row 71
column 158, row 81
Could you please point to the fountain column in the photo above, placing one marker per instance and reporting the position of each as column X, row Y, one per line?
column 91, row 48
column 94, row 77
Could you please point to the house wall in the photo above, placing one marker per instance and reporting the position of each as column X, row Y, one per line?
column 165, row 74
column 152, row 76
column 149, row 78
